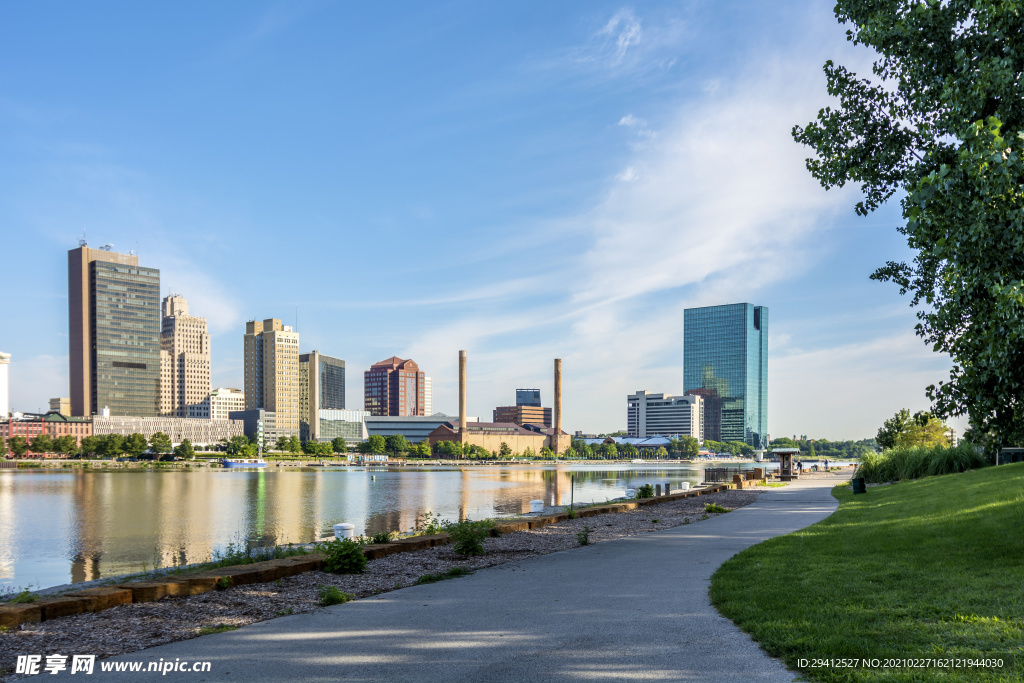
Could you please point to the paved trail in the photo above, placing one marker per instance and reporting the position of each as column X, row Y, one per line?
column 631, row 609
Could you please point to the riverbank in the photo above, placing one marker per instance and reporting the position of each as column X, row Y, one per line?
column 926, row 571
column 131, row 627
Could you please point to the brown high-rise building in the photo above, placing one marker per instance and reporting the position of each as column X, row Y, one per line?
column 185, row 361
column 114, row 333
column 394, row 387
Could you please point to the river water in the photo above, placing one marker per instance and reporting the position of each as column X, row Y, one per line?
column 66, row 526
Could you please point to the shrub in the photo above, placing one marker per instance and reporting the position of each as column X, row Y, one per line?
column 384, row 537
column 443, row 576
column 330, row 595
column 645, row 491
column 343, row 556
column 224, row 582
column 572, row 513
column 468, row 537
column 24, row 597
column 429, row 523
column 583, row 537
column 714, row 507
column 908, row 462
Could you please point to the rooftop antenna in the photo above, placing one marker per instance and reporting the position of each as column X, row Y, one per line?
column 82, row 242
column 107, row 247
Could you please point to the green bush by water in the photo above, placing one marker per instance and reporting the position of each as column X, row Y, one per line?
column 343, row 556
column 920, row 461
column 468, row 537
column 645, row 491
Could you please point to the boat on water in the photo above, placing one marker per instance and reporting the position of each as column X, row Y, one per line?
column 243, row 462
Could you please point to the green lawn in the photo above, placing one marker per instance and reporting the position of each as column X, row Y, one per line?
column 932, row 568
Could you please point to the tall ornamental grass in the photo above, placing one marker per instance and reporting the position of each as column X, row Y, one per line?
column 914, row 462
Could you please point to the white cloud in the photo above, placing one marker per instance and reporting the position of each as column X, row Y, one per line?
column 623, row 31
column 630, row 121
column 847, row 391
column 37, row 379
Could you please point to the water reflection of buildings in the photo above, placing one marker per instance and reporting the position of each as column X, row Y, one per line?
column 7, row 524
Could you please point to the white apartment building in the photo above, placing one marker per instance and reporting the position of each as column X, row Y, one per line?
column 198, row 432
column 222, row 401
column 665, row 415
column 5, row 385
column 428, row 396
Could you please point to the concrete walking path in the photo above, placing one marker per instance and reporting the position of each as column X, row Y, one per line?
column 631, row 609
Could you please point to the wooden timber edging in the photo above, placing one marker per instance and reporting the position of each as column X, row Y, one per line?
column 98, row 599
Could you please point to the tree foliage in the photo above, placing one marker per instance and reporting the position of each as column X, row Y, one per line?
column 902, row 430
column 136, row 444
column 42, row 443
column 18, row 446
column 160, row 442
column 396, row 444
column 184, row 450
column 941, row 122
column 338, row 445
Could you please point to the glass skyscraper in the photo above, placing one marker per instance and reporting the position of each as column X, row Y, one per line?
column 725, row 360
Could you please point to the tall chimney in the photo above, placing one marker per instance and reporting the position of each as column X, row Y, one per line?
column 558, row 396
column 462, row 392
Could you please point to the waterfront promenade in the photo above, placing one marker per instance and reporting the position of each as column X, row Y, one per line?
column 635, row 608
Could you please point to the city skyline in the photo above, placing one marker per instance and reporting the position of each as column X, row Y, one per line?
column 561, row 177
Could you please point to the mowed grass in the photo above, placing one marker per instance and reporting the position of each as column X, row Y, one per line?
column 931, row 568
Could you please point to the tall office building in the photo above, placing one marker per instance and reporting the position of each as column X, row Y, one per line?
column 114, row 333
column 184, row 360
column 321, row 387
column 394, row 387
column 725, row 361
column 650, row 414
column 271, row 353
column 5, row 385
column 428, row 396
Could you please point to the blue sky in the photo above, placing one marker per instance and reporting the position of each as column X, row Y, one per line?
column 522, row 180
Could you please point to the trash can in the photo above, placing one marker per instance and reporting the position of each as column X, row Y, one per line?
column 344, row 531
column 536, row 506
column 858, row 486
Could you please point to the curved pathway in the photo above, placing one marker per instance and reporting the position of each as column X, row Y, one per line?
column 632, row 609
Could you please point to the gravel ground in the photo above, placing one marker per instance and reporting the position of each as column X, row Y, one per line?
column 129, row 628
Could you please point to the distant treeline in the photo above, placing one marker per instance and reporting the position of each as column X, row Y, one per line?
column 823, row 448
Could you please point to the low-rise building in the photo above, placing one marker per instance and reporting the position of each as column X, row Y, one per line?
column 415, row 428
column 252, row 419
column 197, row 431
column 491, row 435
column 666, row 415
column 31, row 425
column 348, row 424
column 60, row 405
column 224, row 401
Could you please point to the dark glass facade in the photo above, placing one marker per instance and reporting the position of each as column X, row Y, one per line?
column 527, row 397
column 125, row 338
column 725, row 360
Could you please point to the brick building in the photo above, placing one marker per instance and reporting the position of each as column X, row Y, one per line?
column 394, row 387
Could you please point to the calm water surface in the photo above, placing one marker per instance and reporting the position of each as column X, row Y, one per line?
column 73, row 525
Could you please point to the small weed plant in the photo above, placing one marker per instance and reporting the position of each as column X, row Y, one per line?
column 714, row 507
column 428, row 524
column 284, row 612
column 343, row 556
column 331, row 595
column 452, row 573
column 572, row 513
column 583, row 537
column 645, row 491
column 219, row 628
column 468, row 537
column 384, row 537
column 24, row 597
column 224, row 582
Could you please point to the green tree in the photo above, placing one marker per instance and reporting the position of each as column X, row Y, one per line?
column 91, row 445
column 160, row 442
column 281, row 445
column 135, row 445
column 547, row 453
column 927, row 430
column 628, row 450
column 3, row 447
column 811, row 453
column 185, row 450
column 423, row 449
column 689, row 447
column 609, row 451
column 396, row 444
column 113, row 446
column 338, row 445
column 942, row 123
column 42, row 443
column 65, row 445
column 661, row 453
column 892, row 431
column 376, row 444
column 18, row 446
column 309, row 447
column 505, row 451
column 294, row 446
column 237, row 446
